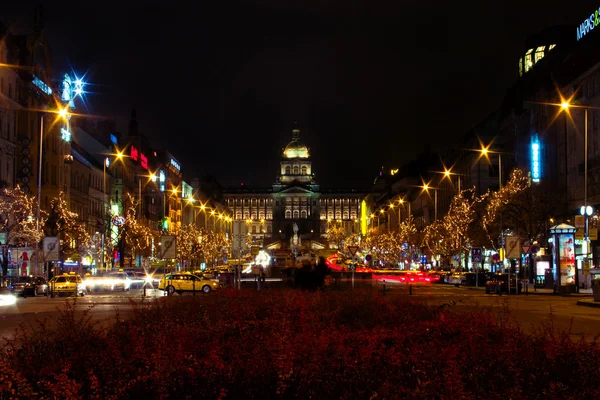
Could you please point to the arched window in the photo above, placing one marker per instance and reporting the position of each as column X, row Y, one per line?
column 296, row 214
column 288, row 170
column 303, row 214
column 345, row 215
column 338, row 215
column 323, row 215
column 295, row 170
column 288, row 214
column 304, row 169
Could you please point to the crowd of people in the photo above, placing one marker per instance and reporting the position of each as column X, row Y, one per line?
column 310, row 275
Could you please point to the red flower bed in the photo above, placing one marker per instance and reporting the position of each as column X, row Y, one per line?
column 290, row 344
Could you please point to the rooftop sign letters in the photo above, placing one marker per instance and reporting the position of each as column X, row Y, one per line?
column 588, row 24
column 175, row 165
column 136, row 155
column 143, row 161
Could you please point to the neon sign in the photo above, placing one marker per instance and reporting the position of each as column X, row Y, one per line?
column 176, row 165
column 143, row 161
column 588, row 24
column 40, row 84
column 113, row 138
column 536, row 167
column 134, row 153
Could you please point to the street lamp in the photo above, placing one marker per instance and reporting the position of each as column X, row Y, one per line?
column 448, row 174
column 485, row 152
column 62, row 113
column 426, row 188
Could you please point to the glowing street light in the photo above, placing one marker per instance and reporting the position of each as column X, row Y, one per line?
column 426, row 188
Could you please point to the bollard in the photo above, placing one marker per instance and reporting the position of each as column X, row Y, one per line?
column 384, row 286
column 410, row 289
column 144, row 289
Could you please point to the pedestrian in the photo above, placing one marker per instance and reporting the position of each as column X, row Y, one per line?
column 261, row 273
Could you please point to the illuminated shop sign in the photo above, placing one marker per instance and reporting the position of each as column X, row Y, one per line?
column 536, row 165
column 588, row 24
column 65, row 135
column 176, row 165
column 40, row 84
column 161, row 179
column 113, row 138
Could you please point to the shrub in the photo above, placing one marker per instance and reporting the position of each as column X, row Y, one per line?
column 295, row 344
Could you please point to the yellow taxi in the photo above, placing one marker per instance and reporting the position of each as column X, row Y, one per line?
column 179, row 282
column 70, row 283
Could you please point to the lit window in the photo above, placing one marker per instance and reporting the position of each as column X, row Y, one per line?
column 551, row 47
column 539, row 53
column 288, row 214
column 288, row 170
column 296, row 214
column 303, row 214
column 304, row 170
column 528, row 60
column 296, row 170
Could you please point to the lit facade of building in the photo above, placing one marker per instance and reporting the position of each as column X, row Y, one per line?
column 295, row 200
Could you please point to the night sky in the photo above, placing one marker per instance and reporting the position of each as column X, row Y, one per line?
column 368, row 83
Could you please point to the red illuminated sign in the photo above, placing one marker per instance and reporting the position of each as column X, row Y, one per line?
column 134, row 153
column 143, row 161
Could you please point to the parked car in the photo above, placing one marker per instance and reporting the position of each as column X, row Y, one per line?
column 29, row 285
column 498, row 283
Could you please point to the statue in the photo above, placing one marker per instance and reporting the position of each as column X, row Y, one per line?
column 294, row 239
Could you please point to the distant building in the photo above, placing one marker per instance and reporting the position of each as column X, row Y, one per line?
column 294, row 202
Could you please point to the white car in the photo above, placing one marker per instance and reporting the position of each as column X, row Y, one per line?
column 119, row 281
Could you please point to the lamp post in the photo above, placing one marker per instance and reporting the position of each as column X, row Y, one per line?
column 485, row 152
column 64, row 114
column 586, row 210
column 426, row 188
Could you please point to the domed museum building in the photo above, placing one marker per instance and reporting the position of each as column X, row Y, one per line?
column 294, row 213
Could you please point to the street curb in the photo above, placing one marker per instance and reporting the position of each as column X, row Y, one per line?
column 588, row 303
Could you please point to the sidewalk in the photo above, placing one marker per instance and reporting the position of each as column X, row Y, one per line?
column 584, row 297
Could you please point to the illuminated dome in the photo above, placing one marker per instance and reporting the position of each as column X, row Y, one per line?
column 296, row 149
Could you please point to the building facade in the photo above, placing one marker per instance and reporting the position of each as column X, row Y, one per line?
column 295, row 212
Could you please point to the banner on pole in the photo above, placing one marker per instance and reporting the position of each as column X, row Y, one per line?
column 51, row 248
column 513, row 247
column 168, row 248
